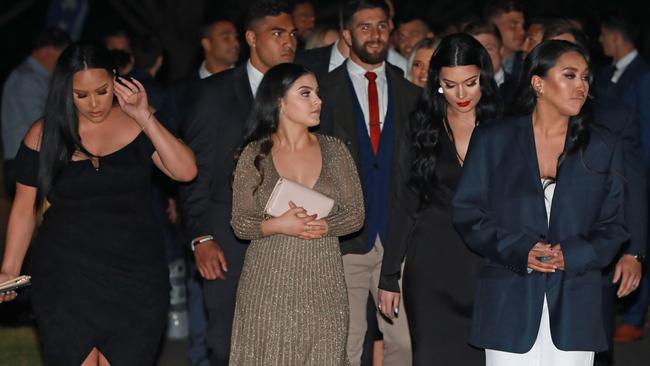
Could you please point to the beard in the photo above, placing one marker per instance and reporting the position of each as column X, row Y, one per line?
column 369, row 57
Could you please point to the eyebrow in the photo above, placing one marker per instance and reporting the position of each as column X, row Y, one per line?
column 371, row 23
column 305, row 87
column 571, row 68
column 98, row 89
column 468, row 79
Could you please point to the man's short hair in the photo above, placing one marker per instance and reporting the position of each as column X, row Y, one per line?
column 146, row 50
column 207, row 27
column 483, row 27
column 265, row 8
column 52, row 37
column 414, row 18
column 351, row 7
column 623, row 25
column 494, row 8
column 554, row 27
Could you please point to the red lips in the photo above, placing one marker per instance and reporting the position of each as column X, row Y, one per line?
column 463, row 104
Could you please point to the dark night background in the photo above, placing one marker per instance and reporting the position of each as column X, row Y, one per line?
column 177, row 22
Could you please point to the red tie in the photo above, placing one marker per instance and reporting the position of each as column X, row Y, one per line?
column 373, row 107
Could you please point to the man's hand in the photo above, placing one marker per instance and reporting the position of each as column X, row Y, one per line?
column 628, row 273
column 211, row 261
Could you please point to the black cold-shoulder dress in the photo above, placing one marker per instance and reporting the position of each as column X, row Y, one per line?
column 98, row 266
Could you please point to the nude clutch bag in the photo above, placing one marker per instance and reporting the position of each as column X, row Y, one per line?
column 285, row 190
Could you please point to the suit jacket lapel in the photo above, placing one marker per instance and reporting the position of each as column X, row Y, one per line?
column 400, row 112
column 242, row 88
column 526, row 139
column 344, row 116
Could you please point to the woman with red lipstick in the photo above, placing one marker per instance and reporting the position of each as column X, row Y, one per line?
column 99, row 272
column 439, row 270
column 541, row 199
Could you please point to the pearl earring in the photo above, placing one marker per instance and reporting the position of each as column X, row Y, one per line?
column 440, row 90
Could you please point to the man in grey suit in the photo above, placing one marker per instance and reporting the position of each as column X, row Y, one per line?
column 366, row 103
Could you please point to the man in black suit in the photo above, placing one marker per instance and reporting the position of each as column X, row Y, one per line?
column 324, row 59
column 214, row 131
column 490, row 38
column 621, row 83
column 366, row 103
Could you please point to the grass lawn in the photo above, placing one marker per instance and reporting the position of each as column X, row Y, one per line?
column 19, row 347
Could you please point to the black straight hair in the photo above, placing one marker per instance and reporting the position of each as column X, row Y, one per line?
column 261, row 9
column 264, row 118
column 60, row 137
column 538, row 62
column 429, row 119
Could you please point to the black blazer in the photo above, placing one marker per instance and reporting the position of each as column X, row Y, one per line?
column 317, row 60
column 622, row 122
column 605, row 89
column 338, row 119
column 500, row 213
column 214, row 130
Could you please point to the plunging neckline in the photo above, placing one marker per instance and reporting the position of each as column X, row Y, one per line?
column 101, row 157
column 320, row 172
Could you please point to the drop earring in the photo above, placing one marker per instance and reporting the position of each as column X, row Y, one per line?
column 440, row 90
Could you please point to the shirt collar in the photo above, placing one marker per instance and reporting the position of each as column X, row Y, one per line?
column 38, row 67
column 203, row 71
column 626, row 60
column 336, row 58
column 254, row 76
column 500, row 77
column 356, row 70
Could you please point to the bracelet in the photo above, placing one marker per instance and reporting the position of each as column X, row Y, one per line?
column 198, row 241
column 142, row 126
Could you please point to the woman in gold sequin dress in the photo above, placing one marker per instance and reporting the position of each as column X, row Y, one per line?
column 292, row 306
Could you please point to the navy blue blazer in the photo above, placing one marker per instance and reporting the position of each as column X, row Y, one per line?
column 499, row 211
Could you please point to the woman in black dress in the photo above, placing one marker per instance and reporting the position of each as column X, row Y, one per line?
column 99, row 272
column 439, row 270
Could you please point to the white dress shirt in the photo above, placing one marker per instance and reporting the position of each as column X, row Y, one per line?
column 622, row 64
column 203, row 71
column 254, row 76
column 336, row 58
column 396, row 59
column 500, row 77
column 360, row 83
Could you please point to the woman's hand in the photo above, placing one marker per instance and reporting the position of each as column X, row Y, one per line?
column 316, row 229
column 7, row 296
column 294, row 222
column 388, row 303
column 546, row 256
column 133, row 99
column 558, row 258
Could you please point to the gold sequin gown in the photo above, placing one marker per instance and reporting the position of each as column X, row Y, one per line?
column 292, row 306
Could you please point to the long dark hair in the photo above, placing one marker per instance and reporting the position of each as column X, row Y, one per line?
column 538, row 62
column 429, row 119
column 60, row 138
column 265, row 116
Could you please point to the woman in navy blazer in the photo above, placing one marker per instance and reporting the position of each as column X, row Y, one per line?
column 540, row 198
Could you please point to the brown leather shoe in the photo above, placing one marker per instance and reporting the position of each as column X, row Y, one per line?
column 626, row 333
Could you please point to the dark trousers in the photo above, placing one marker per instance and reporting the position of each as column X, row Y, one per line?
column 219, row 297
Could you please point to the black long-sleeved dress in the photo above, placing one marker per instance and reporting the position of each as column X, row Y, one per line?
column 440, row 270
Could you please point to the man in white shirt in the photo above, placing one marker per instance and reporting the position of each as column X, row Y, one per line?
column 508, row 16
column 215, row 129
column 220, row 43
column 366, row 104
column 624, row 82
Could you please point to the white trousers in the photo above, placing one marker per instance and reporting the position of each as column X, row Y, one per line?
column 543, row 353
